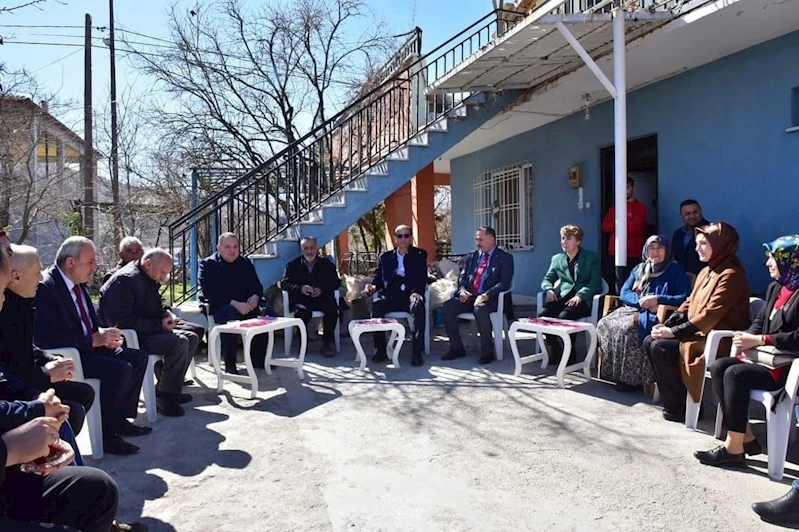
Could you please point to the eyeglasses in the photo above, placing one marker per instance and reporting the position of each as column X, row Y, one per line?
column 403, row 235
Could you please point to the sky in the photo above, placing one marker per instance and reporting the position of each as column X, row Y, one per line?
column 59, row 67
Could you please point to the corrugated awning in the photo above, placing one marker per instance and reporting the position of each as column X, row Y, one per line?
column 536, row 52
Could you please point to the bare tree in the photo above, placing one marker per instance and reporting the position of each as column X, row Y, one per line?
column 21, row 5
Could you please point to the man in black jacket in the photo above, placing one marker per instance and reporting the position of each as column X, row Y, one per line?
column 130, row 249
column 487, row 272
column 20, row 357
column 683, row 240
column 311, row 282
column 232, row 290
column 131, row 300
column 400, row 283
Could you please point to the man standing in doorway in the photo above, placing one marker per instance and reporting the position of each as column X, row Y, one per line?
column 683, row 242
column 636, row 222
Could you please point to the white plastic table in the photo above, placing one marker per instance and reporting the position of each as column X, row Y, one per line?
column 249, row 329
column 358, row 327
column 557, row 327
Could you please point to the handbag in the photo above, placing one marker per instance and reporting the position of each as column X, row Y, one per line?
column 770, row 357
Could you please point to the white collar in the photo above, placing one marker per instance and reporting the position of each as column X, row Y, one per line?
column 67, row 280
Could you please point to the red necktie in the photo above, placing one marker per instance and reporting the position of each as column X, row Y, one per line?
column 478, row 276
column 83, row 315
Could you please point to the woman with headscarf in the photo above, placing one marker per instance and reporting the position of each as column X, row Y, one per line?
column 719, row 300
column 733, row 378
column 658, row 280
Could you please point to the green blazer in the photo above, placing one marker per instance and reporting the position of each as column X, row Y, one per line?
column 587, row 271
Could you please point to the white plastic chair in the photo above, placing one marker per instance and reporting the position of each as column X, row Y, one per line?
column 499, row 323
column 594, row 317
column 148, row 385
column 711, row 350
column 94, row 417
column 316, row 314
column 400, row 315
column 780, row 424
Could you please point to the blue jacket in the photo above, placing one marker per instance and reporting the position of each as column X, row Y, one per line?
column 672, row 288
column 57, row 321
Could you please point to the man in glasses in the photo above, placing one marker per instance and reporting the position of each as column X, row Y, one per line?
column 311, row 282
column 400, row 284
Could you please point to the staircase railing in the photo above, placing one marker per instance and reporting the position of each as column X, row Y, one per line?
column 285, row 190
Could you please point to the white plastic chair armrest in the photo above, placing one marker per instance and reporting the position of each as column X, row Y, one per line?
column 286, row 312
column 131, row 338
column 71, row 353
column 792, row 384
column 712, row 345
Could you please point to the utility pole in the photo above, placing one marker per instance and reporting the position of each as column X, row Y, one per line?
column 117, row 215
column 88, row 144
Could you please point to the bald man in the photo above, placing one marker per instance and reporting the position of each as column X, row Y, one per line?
column 400, row 285
column 131, row 299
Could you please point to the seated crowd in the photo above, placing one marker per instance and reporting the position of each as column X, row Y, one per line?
column 696, row 272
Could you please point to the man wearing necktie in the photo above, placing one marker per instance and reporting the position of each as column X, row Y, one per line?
column 65, row 317
column 487, row 272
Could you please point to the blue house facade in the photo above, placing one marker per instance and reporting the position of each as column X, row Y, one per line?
column 725, row 135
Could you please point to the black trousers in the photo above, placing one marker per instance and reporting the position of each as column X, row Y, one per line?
column 482, row 315
column 80, row 497
column 732, row 381
column 400, row 303
column 327, row 306
column 664, row 356
column 79, row 396
column 121, row 372
column 230, row 342
column 558, row 309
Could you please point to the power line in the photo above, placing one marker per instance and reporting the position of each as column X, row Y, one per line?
column 56, row 61
column 35, row 26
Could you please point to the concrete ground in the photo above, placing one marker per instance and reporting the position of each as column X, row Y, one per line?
column 447, row 446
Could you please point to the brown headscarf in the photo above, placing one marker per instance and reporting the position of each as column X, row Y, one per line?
column 724, row 240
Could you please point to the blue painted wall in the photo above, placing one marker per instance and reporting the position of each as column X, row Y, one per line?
column 721, row 139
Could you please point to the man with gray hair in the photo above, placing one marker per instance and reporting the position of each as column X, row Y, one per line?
column 310, row 282
column 131, row 299
column 65, row 317
column 130, row 249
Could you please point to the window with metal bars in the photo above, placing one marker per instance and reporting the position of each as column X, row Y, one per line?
column 503, row 199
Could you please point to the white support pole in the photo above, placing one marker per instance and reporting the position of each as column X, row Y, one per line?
column 620, row 119
column 589, row 61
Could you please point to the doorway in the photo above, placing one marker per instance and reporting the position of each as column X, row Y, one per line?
column 642, row 167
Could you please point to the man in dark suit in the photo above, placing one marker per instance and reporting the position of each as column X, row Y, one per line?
column 683, row 241
column 19, row 357
column 233, row 291
column 310, row 282
column 400, row 283
column 131, row 299
column 487, row 272
column 578, row 276
column 65, row 317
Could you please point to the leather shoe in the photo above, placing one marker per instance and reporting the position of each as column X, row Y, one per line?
column 379, row 357
column 326, row 351
column 129, row 429
column 453, row 354
column 116, row 445
column 169, row 407
column 486, row 359
column 783, row 511
column 116, row 526
column 678, row 417
column 416, row 359
column 720, row 456
column 231, row 368
column 753, row 448
column 181, row 398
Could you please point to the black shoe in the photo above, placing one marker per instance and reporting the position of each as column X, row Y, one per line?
column 129, row 429
column 783, row 511
column 169, row 407
column 116, row 445
column 181, row 398
column 379, row 357
column 453, row 354
column 678, row 417
column 326, row 350
column 188, row 382
column 720, row 456
column 486, row 359
column 753, row 448
column 416, row 359
column 231, row 368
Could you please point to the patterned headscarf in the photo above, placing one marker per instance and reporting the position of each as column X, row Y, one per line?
column 785, row 251
column 649, row 270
